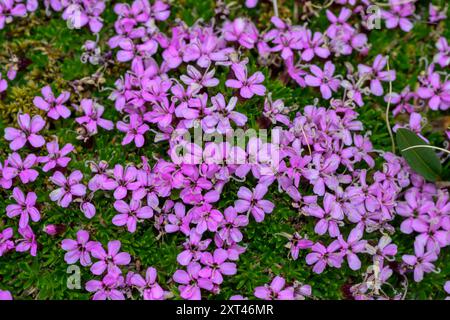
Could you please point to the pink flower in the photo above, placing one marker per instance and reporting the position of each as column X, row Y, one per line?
column 161, row 114
column 160, row 10
column 25, row 207
column 93, row 116
column 107, row 289
column 248, row 86
column 436, row 92
column 359, row 152
column 443, row 56
column 206, row 217
column 313, row 46
column 196, row 79
column 275, row 291
column 329, row 216
column 253, row 202
column 321, row 256
column 276, row 111
column 100, row 179
column 4, row 182
column 302, row 291
column 353, row 245
column 298, row 243
column 28, row 242
column 194, row 247
column 135, row 130
column 242, row 31
column 398, row 15
column 85, row 13
column 5, row 295
column 109, row 260
column 383, row 250
column 215, row 266
column 17, row 167
column 447, row 289
column 54, row 229
column 178, row 221
column 124, row 181
column 401, row 101
column 323, row 173
column 285, row 41
column 221, row 114
column 130, row 214
column 238, row 297
column 56, row 157
column 323, row 79
column 3, row 83
column 54, row 107
column 29, row 129
column 79, row 249
column 229, row 231
column 150, row 289
column 6, row 242
column 88, row 209
column 339, row 23
column 376, row 74
column 205, row 51
column 68, row 187
column 421, row 261
column 191, row 282
column 436, row 14
column 251, row 3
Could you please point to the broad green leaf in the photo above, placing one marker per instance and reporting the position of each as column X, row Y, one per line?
column 424, row 161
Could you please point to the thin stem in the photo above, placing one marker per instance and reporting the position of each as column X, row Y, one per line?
column 324, row 6
column 426, row 146
column 275, row 8
column 306, row 139
column 388, row 107
column 380, row 4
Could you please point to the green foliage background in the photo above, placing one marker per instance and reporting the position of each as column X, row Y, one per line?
column 50, row 54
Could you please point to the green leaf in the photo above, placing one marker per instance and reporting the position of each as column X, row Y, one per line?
column 424, row 161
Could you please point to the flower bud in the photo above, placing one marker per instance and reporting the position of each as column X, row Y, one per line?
column 54, row 229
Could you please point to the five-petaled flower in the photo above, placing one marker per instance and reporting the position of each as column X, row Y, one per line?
column 277, row 290
column 25, row 206
column 79, row 249
column 323, row 79
column 54, row 107
column 253, row 202
column 150, row 289
column 68, row 187
column 109, row 260
column 249, row 86
column 28, row 131
column 130, row 214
